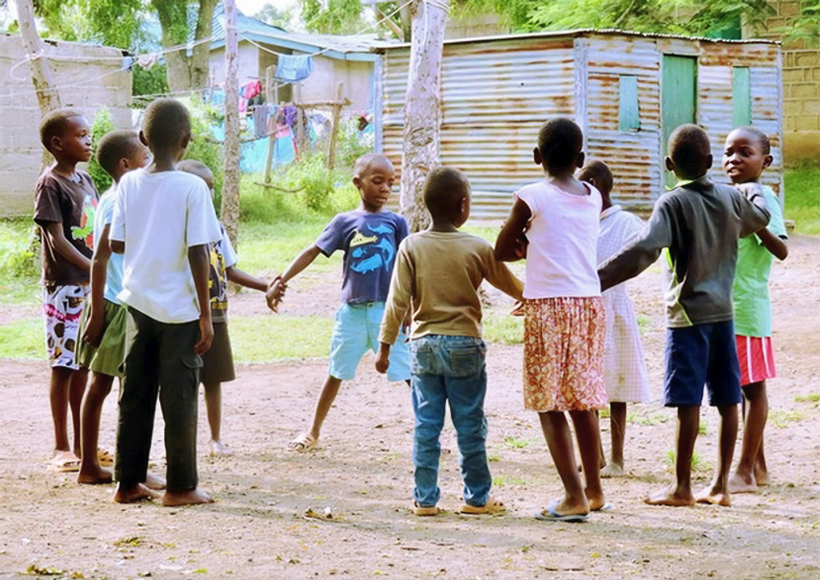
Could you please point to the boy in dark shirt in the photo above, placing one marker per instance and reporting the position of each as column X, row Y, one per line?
column 64, row 203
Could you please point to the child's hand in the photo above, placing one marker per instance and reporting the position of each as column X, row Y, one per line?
column 93, row 330
column 518, row 309
column 206, row 336
column 383, row 358
column 275, row 293
column 521, row 246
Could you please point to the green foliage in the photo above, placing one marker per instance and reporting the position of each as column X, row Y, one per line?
column 204, row 147
column 103, row 124
column 110, row 22
column 802, row 198
column 19, row 250
column 332, row 16
column 153, row 81
column 501, row 328
column 351, row 143
column 275, row 16
column 806, row 26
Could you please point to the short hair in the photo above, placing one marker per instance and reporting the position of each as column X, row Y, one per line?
column 765, row 144
column 560, row 141
column 54, row 124
column 197, row 168
column 165, row 123
column 364, row 162
column 689, row 148
column 599, row 171
column 443, row 190
column 115, row 146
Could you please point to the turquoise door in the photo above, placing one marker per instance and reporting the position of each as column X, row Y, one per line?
column 679, row 83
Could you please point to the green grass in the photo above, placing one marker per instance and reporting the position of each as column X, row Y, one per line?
column 265, row 249
column 19, row 262
column 802, row 198
column 810, row 398
column 783, row 418
column 501, row 328
column 698, row 464
column 261, row 339
column 23, row 339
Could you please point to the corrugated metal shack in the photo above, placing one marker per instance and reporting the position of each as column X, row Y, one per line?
column 627, row 91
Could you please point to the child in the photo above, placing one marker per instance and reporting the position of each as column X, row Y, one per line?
column 699, row 224
column 102, row 347
column 217, row 363
column 437, row 276
column 164, row 223
column 369, row 237
column 624, row 368
column 564, row 315
column 64, row 205
column 745, row 157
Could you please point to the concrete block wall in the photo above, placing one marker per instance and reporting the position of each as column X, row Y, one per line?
column 89, row 77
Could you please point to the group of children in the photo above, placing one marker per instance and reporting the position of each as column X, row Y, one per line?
column 156, row 312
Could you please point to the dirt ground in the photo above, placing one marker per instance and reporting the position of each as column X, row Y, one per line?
column 362, row 471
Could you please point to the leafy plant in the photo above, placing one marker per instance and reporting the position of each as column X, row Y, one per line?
column 103, row 124
column 204, row 147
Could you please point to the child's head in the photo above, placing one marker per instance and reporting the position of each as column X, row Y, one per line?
column 373, row 176
column 66, row 134
column 690, row 154
column 447, row 196
column 560, row 142
column 121, row 151
column 166, row 128
column 200, row 170
column 746, row 154
column 597, row 173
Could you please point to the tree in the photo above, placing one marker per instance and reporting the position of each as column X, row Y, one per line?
column 274, row 16
column 332, row 16
column 41, row 75
column 230, row 191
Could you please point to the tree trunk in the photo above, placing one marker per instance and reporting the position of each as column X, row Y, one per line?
column 230, row 187
column 200, row 68
column 173, row 19
column 422, row 109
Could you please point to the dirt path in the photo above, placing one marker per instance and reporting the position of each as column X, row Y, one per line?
column 362, row 471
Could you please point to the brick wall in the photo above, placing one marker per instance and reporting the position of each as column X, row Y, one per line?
column 87, row 83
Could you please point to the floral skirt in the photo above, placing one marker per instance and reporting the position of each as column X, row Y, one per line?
column 564, row 354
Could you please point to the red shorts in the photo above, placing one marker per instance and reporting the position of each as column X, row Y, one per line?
column 756, row 357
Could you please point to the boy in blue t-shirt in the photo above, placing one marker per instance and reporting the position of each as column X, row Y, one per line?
column 369, row 237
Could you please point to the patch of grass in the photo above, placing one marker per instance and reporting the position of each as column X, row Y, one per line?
column 604, row 413
column 493, row 458
column 518, row 443
column 501, row 328
column 505, row 480
column 19, row 262
column 782, row 419
column 802, row 198
column 647, row 419
column 644, row 323
column 23, row 339
column 810, row 398
column 265, row 249
column 261, row 339
column 698, row 464
column 703, row 428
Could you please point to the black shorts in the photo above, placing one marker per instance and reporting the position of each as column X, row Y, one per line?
column 217, row 363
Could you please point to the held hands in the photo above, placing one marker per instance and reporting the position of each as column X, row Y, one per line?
column 206, row 335
column 383, row 358
column 275, row 293
column 93, row 331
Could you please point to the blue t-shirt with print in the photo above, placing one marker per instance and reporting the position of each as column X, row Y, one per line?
column 114, row 272
column 369, row 241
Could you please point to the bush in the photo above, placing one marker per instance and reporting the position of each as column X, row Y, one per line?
column 19, row 249
column 352, row 143
column 204, row 147
column 103, row 123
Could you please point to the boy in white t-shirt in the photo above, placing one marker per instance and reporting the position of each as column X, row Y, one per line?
column 164, row 223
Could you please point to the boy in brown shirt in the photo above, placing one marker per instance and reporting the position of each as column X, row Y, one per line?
column 436, row 277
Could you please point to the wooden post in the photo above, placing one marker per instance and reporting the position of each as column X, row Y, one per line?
column 334, row 127
column 230, row 188
column 271, row 136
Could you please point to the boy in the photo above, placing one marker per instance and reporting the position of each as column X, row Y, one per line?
column 217, row 363
column 624, row 368
column 699, row 224
column 437, row 276
column 64, row 205
column 369, row 237
column 745, row 157
column 164, row 223
column 101, row 349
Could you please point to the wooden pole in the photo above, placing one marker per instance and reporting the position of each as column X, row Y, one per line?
column 334, row 127
column 271, row 137
column 230, row 189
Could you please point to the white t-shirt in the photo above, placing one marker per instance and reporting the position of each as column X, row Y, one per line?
column 563, row 241
column 159, row 216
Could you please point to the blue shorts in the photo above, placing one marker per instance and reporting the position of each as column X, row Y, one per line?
column 356, row 331
column 698, row 355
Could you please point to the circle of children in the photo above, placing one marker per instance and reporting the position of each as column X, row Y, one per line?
column 149, row 306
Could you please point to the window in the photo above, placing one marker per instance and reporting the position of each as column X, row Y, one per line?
column 629, row 116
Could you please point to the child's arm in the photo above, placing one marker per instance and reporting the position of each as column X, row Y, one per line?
column 54, row 231
column 396, row 307
column 499, row 275
column 242, row 278
column 775, row 244
column 303, row 260
column 508, row 247
column 99, row 265
column 200, row 260
column 754, row 209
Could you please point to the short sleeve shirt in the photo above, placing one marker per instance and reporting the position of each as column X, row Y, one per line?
column 750, row 293
column 113, row 274
column 73, row 204
column 222, row 258
column 369, row 242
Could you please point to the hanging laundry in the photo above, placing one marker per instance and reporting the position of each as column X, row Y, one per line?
column 260, row 121
column 293, row 68
column 250, row 90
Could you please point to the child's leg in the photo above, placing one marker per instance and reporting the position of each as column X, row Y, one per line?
column 306, row 440
column 429, row 400
column 680, row 493
column 744, row 478
column 59, row 389
column 617, row 427
column 761, row 471
column 79, row 379
column 213, row 405
column 589, row 443
column 559, row 440
column 718, row 491
column 90, row 469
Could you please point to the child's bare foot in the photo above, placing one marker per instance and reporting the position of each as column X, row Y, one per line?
column 739, row 483
column 154, row 482
column 134, row 494
column 94, row 475
column 185, row 497
column 714, row 496
column 671, row 496
column 613, row 470
column 762, row 478
column 218, row 449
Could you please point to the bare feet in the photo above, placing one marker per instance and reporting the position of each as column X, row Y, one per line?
column 742, row 483
column 713, row 496
column 565, row 508
column 134, row 494
column 94, row 475
column 762, row 478
column 671, row 496
column 185, row 497
column 218, row 449
column 154, row 481
column 613, row 470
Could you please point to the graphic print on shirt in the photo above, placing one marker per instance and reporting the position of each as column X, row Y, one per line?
column 217, row 280
column 85, row 231
column 369, row 253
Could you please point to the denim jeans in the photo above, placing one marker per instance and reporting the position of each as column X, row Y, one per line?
column 450, row 368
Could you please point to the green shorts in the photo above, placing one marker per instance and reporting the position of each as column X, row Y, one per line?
column 107, row 358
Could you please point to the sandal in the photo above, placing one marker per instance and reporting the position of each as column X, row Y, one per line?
column 105, row 457
column 425, row 510
column 304, row 442
column 64, row 462
column 493, row 506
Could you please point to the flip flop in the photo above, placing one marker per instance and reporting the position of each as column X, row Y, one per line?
column 305, row 441
column 105, row 457
column 604, row 508
column 493, row 506
column 425, row 510
column 64, row 462
column 550, row 515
